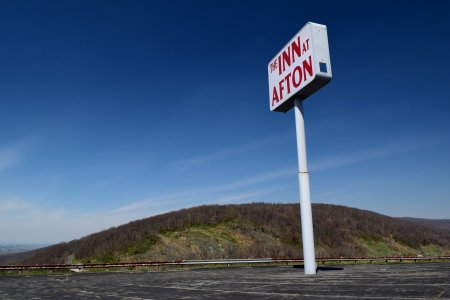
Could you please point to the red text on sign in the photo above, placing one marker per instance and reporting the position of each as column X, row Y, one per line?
column 288, row 56
column 292, row 80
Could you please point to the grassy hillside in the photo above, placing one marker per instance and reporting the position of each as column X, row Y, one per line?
column 247, row 231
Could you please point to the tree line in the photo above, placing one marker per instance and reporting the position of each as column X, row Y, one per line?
column 335, row 230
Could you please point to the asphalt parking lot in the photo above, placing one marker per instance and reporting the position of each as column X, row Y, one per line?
column 383, row 281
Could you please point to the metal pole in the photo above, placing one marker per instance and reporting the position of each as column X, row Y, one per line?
column 305, row 201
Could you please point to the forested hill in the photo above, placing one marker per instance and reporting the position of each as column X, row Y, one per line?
column 443, row 224
column 246, row 231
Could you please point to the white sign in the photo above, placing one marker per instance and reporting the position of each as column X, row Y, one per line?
column 300, row 68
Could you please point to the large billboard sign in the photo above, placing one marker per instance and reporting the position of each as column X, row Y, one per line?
column 300, row 68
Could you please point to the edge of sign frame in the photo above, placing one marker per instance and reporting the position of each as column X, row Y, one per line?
column 317, row 83
column 321, row 54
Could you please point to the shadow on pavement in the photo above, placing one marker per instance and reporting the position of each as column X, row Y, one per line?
column 320, row 269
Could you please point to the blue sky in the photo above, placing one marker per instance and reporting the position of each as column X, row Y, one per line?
column 112, row 111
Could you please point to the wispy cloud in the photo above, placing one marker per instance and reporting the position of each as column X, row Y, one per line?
column 222, row 154
column 162, row 200
column 25, row 221
column 260, row 178
column 400, row 145
column 242, row 189
column 43, row 225
column 13, row 153
column 9, row 156
column 13, row 204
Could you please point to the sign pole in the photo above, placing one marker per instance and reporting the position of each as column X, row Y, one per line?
column 301, row 68
column 305, row 201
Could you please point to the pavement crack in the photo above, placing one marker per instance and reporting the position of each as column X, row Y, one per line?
column 441, row 294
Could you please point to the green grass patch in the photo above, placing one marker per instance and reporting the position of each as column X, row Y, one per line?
column 376, row 247
column 430, row 250
column 142, row 246
column 105, row 258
